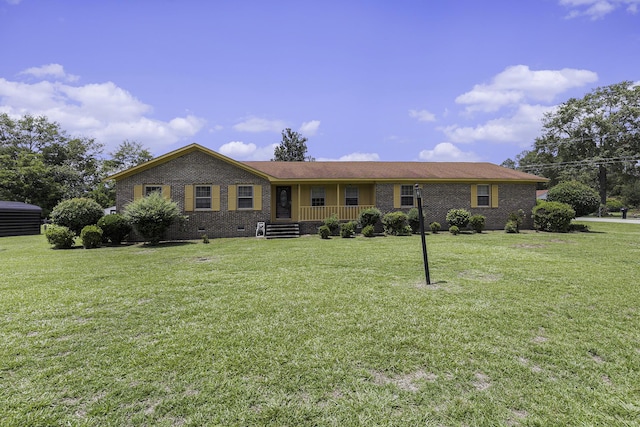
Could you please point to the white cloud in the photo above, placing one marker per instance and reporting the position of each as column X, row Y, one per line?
column 360, row 157
column 13, row 1
column 596, row 9
column 310, row 128
column 256, row 124
column 239, row 150
column 518, row 84
column 447, row 152
column 103, row 111
column 422, row 115
column 50, row 70
column 520, row 128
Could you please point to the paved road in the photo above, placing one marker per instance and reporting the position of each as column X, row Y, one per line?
column 609, row 219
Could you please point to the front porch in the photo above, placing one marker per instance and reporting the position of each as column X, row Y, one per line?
column 320, row 213
column 318, row 201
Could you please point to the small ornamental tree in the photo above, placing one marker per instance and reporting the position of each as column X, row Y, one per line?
column 582, row 198
column 76, row 213
column 152, row 216
column 458, row 217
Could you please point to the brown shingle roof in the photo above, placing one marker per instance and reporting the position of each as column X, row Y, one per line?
column 300, row 171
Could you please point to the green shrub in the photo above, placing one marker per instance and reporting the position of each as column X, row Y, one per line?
column 152, row 216
column 458, row 217
column 435, row 227
column 511, row 227
column 394, row 223
column 413, row 216
column 369, row 216
column 406, row 231
column 347, row 229
column 582, row 198
column 59, row 236
column 614, row 205
column 115, row 228
column 516, row 219
column 454, row 230
column 91, row 236
column 368, row 231
column 477, row 223
column 205, row 239
column 324, row 232
column 76, row 213
column 333, row 223
column 553, row 216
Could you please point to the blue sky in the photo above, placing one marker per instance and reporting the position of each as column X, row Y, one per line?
column 458, row 80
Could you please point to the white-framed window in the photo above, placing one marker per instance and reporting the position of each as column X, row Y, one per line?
column 203, row 196
column 406, row 195
column 245, row 196
column 150, row 189
column 318, row 196
column 351, row 196
column 484, row 195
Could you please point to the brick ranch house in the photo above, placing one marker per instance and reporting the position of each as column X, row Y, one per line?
column 227, row 198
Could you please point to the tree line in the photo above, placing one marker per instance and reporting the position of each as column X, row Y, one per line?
column 41, row 164
column 594, row 140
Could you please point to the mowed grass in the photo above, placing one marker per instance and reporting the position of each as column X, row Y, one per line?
column 526, row 329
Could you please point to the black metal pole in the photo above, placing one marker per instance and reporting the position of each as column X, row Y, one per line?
column 424, row 242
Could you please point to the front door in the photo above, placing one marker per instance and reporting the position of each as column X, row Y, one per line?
column 283, row 202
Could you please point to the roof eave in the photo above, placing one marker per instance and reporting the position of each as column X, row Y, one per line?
column 181, row 152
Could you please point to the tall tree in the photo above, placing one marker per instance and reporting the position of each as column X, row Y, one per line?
column 128, row 155
column 292, row 148
column 590, row 139
column 42, row 165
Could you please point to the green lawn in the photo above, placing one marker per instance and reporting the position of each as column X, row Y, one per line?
column 517, row 329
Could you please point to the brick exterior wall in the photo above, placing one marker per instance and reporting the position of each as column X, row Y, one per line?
column 438, row 199
column 200, row 168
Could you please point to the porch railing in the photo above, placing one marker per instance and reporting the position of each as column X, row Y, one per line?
column 320, row 213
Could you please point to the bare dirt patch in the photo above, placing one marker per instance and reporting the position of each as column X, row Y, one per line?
column 482, row 381
column 405, row 382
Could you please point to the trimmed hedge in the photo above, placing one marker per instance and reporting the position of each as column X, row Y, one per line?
column 553, row 216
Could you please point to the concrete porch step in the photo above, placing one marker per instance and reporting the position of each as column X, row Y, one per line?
column 282, row 231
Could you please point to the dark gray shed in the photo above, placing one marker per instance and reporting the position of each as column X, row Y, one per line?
column 19, row 219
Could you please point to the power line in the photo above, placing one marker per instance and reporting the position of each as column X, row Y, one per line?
column 586, row 162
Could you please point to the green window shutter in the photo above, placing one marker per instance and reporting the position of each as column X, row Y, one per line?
column 188, row 198
column 137, row 192
column 474, row 196
column 233, row 199
column 257, row 197
column 494, row 196
column 215, row 197
column 396, row 196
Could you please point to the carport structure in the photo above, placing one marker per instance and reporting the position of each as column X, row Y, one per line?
column 19, row 219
